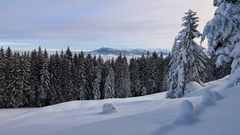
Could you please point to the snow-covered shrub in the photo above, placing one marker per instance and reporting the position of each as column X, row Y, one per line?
column 185, row 115
column 108, row 108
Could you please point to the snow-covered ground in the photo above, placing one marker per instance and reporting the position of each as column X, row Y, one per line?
column 148, row 115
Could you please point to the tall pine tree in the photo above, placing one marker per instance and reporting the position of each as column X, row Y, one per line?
column 188, row 59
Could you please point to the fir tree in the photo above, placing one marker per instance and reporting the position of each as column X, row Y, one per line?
column 223, row 37
column 2, row 75
column 122, row 78
column 97, row 79
column 134, row 78
column 45, row 81
column 109, row 90
column 188, row 59
column 8, row 78
column 55, row 92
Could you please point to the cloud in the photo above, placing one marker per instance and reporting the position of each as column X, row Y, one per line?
column 116, row 23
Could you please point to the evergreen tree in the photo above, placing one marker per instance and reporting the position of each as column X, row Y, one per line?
column 24, row 81
column 97, row 79
column 188, row 59
column 81, row 91
column 235, row 72
column 45, row 82
column 134, row 77
column 8, row 78
column 89, row 78
column 109, row 90
column 143, row 71
column 77, row 75
column 67, row 64
column 223, row 37
column 66, row 83
column 55, row 92
column 37, row 61
column 2, row 75
column 122, row 78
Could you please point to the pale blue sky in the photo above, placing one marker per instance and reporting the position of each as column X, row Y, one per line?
column 90, row 24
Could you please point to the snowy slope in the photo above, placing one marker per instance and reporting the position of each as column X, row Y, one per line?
column 148, row 115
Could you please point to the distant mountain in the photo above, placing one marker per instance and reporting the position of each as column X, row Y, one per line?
column 111, row 52
column 130, row 52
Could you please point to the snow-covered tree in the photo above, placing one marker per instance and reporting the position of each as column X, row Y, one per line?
column 109, row 90
column 77, row 75
column 45, row 81
column 188, row 59
column 122, row 78
column 55, row 93
column 135, row 77
column 97, row 80
column 2, row 75
column 223, row 33
column 235, row 73
column 90, row 76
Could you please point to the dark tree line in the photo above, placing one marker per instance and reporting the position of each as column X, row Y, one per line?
column 36, row 79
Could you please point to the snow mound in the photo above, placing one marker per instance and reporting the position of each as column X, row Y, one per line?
column 217, row 96
column 109, row 108
column 186, row 115
column 192, row 88
column 186, row 107
column 207, row 98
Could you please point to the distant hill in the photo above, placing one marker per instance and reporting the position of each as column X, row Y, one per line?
column 111, row 52
column 130, row 52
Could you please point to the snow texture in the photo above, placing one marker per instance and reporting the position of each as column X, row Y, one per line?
column 217, row 96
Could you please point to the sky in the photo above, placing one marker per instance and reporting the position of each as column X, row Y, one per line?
column 91, row 24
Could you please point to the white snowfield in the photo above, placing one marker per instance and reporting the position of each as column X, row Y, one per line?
column 210, row 110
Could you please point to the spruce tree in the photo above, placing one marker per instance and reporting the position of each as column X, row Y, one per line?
column 122, row 78
column 82, row 78
column 45, row 81
column 8, row 68
column 97, row 79
column 134, row 77
column 223, row 37
column 55, row 92
column 143, row 66
column 109, row 90
column 89, row 76
column 188, row 59
column 2, row 75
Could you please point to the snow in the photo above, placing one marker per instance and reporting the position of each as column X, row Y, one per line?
column 207, row 98
column 217, row 96
column 146, row 115
column 192, row 88
column 109, row 108
column 186, row 107
column 185, row 116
